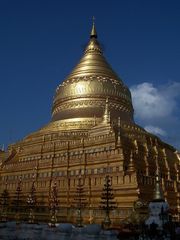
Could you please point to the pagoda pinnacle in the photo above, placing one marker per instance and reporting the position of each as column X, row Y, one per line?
column 158, row 193
column 106, row 116
column 131, row 167
column 93, row 31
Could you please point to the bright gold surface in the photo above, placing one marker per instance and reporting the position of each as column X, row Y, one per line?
column 158, row 194
column 85, row 137
column 92, row 80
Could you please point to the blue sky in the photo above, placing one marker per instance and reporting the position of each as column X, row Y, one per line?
column 41, row 41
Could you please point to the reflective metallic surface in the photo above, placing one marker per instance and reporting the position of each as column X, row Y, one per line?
column 92, row 132
column 82, row 94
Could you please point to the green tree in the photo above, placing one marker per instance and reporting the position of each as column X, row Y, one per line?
column 80, row 200
column 4, row 204
column 107, row 202
column 18, row 201
column 53, row 204
column 31, row 201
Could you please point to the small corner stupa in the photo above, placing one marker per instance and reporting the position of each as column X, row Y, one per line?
column 158, row 207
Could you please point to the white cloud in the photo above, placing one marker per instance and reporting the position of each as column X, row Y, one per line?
column 154, row 102
column 155, row 130
column 157, row 109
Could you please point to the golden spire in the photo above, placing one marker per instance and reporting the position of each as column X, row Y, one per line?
column 135, row 144
column 131, row 167
column 106, row 116
column 93, row 31
column 158, row 193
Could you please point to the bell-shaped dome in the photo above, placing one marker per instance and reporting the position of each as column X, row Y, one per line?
column 83, row 94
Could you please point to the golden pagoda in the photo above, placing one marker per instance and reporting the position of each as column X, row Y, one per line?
column 92, row 134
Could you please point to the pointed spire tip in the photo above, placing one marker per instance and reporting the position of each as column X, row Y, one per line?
column 93, row 31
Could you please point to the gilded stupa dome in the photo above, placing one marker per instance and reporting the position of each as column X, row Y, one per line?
column 82, row 95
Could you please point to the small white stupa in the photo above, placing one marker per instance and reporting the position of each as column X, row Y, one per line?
column 158, row 207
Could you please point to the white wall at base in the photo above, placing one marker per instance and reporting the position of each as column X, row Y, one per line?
column 158, row 213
